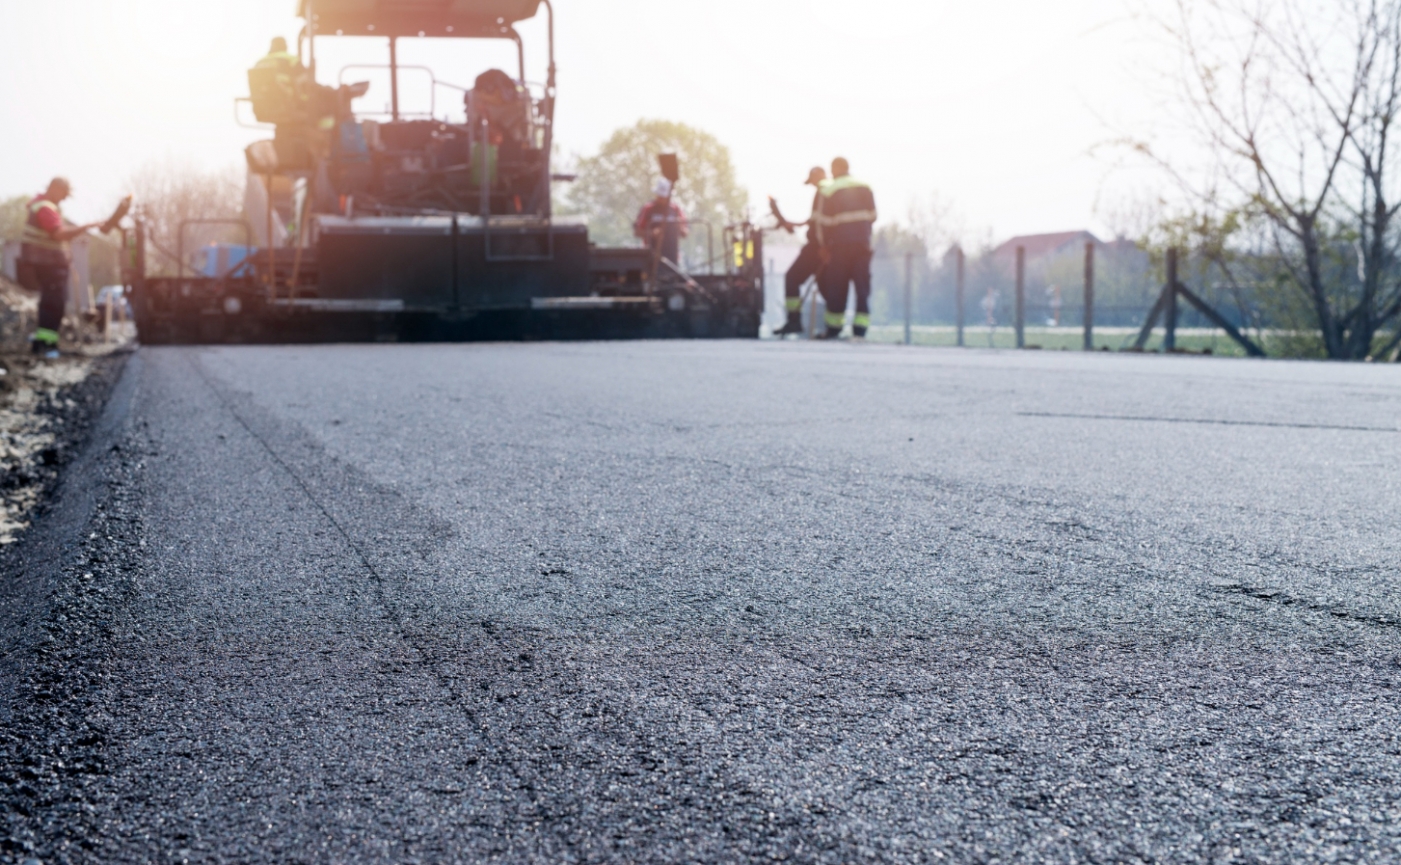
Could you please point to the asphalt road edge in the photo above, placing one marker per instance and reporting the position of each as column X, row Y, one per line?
column 68, row 579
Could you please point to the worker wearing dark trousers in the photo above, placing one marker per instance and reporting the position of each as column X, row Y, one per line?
column 846, row 213
column 848, row 264
column 43, row 262
column 806, row 265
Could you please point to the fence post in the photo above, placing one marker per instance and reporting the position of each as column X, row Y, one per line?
column 1170, row 314
column 1019, row 311
column 958, row 294
column 1089, row 297
column 909, row 292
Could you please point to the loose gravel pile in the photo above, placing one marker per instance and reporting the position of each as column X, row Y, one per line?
column 45, row 407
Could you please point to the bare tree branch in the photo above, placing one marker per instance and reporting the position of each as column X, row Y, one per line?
column 1295, row 100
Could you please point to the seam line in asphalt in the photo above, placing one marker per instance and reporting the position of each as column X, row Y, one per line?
column 425, row 658
column 1284, row 599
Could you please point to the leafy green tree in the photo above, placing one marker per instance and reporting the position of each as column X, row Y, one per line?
column 1230, row 259
column 616, row 182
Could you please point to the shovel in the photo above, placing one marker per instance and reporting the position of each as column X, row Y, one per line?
column 122, row 210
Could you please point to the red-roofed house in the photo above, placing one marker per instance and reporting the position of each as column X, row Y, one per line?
column 1055, row 262
column 1040, row 245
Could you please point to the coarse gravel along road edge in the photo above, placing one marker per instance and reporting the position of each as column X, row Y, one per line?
column 70, row 416
column 671, row 645
column 50, row 603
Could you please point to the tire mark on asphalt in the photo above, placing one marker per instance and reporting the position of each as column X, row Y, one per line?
column 630, row 733
column 425, row 657
column 627, row 733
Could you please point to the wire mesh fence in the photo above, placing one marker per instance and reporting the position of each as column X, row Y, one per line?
column 1006, row 297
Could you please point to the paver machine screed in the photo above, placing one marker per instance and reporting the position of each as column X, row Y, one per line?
column 407, row 226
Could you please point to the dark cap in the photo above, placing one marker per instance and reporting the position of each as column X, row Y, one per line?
column 816, row 175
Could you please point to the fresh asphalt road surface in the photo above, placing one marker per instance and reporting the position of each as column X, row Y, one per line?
column 732, row 601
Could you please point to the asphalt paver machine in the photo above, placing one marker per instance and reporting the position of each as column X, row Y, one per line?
column 415, row 227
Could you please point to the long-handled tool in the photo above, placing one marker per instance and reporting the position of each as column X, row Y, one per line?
column 122, row 210
column 783, row 222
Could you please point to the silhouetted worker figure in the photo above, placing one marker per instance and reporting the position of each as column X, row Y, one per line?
column 43, row 261
column 662, row 221
column 807, row 264
column 278, row 57
column 285, row 93
column 846, row 213
column 503, row 103
column 284, row 84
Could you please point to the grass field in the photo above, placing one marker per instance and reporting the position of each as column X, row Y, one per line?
column 1058, row 338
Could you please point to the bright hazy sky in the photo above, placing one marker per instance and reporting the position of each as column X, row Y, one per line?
column 997, row 107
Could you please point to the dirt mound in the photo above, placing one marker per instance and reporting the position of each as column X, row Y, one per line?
column 43, row 403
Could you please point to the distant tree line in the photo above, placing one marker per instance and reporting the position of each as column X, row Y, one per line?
column 1125, row 282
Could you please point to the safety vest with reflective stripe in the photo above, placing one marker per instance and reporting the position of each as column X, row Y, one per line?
column 38, row 246
column 287, row 67
column 33, row 234
column 277, row 59
column 848, row 210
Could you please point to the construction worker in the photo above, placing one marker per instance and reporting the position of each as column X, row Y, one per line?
column 278, row 57
column 662, row 220
column 285, row 94
column 847, row 210
column 808, row 262
column 276, row 81
column 43, row 262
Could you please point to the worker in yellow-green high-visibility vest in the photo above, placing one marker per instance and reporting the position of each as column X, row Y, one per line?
column 279, row 58
column 807, row 264
column 43, row 261
column 847, row 212
column 285, row 93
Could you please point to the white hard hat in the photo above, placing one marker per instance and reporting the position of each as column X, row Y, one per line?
column 663, row 188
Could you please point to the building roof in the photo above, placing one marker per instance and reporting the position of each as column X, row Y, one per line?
column 1037, row 245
